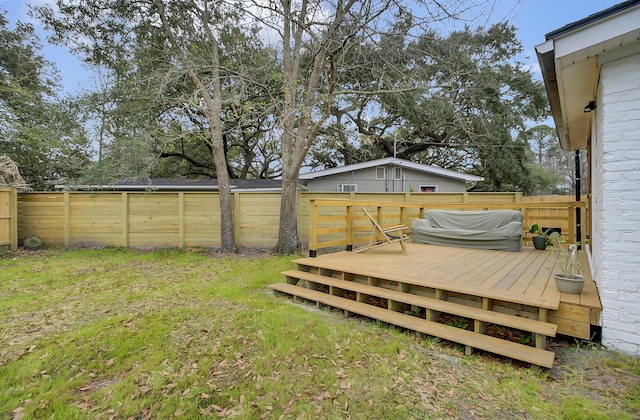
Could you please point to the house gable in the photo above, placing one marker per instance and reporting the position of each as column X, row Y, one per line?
column 388, row 175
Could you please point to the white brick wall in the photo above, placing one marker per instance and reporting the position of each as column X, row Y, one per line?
column 616, row 202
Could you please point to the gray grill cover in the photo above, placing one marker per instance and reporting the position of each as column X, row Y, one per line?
column 495, row 229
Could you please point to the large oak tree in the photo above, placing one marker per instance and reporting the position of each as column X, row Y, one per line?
column 170, row 55
column 457, row 101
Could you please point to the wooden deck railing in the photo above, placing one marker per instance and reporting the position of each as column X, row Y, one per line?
column 341, row 224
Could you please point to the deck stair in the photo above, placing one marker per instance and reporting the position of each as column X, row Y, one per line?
column 352, row 294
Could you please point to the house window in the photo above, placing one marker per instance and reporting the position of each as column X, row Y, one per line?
column 398, row 173
column 348, row 187
column 428, row 188
column 380, row 170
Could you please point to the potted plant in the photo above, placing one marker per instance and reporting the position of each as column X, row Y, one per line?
column 543, row 238
column 570, row 278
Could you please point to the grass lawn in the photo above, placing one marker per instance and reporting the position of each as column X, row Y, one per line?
column 116, row 333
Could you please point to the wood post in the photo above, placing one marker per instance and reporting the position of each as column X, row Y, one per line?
column 8, row 218
column 236, row 217
column 440, row 295
column 181, row 220
column 571, row 215
column 350, row 228
column 480, row 327
column 541, row 340
column 13, row 208
column 125, row 219
column 313, row 228
column 67, row 220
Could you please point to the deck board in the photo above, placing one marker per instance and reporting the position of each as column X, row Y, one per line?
column 533, row 275
column 487, row 267
column 518, row 277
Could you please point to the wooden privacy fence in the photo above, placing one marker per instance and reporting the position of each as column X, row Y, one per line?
column 139, row 219
column 341, row 223
column 189, row 219
column 8, row 218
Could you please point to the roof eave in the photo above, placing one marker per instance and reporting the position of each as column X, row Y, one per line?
column 570, row 65
column 546, row 59
column 138, row 187
column 392, row 161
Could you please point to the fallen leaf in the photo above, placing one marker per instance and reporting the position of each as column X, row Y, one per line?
column 18, row 410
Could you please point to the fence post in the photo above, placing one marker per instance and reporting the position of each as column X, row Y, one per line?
column 571, row 210
column 350, row 222
column 518, row 199
column 125, row 219
column 181, row 219
column 235, row 212
column 313, row 230
column 67, row 219
column 13, row 208
column 298, row 213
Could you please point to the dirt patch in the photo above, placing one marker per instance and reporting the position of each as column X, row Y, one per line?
column 244, row 252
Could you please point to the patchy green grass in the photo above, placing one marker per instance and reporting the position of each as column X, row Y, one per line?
column 117, row 333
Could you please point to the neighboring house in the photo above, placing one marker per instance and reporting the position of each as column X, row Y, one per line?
column 591, row 69
column 388, row 175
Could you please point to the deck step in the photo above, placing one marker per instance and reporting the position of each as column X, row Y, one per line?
column 509, row 349
column 510, row 321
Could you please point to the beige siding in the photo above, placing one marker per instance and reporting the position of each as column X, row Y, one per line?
column 409, row 180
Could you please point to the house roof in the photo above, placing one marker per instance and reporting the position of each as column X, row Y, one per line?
column 570, row 62
column 428, row 169
column 180, row 184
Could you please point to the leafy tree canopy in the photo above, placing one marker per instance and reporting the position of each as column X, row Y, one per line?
column 38, row 130
column 456, row 101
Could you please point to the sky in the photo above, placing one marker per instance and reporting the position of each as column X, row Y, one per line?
column 533, row 18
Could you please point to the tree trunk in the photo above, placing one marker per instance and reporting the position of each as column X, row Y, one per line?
column 212, row 109
column 288, row 240
column 227, row 233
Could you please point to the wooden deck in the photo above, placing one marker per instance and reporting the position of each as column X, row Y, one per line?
column 510, row 289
